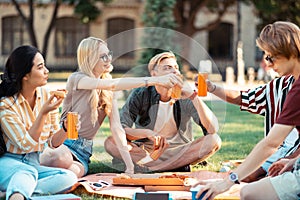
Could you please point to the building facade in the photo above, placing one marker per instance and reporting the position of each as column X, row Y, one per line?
column 124, row 16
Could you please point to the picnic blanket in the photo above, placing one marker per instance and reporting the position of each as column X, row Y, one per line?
column 124, row 191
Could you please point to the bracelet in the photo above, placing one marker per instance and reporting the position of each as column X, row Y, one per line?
column 215, row 87
column 63, row 126
column 192, row 97
column 145, row 160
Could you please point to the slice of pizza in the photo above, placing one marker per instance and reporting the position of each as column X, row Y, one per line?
column 60, row 93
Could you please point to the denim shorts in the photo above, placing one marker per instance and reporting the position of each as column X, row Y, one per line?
column 82, row 150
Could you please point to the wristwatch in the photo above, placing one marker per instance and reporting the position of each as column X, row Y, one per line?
column 233, row 177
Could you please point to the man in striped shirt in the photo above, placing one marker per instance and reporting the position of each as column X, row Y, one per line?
column 266, row 100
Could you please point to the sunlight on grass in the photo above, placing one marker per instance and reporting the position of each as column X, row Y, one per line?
column 239, row 131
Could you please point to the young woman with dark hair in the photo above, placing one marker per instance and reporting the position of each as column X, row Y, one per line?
column 26, row 118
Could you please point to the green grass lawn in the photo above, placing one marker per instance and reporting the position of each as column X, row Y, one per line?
column 239, row 132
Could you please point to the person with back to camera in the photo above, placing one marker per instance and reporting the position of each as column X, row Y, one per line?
column 90, row 94
column 162, row 139
column 281, row 43
column 266, row 100
column 26, row 118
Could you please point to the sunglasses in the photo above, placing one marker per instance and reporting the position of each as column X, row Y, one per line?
column 107, row 57
column 98, row 185
column 270, row 59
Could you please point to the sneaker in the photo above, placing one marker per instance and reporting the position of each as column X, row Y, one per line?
column 203, row 163
column 141, row 169
column 118, row 164
column 185, row 168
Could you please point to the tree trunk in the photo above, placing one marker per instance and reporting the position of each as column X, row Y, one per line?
column 28, row 21
column 49, row 29
column 185, row 13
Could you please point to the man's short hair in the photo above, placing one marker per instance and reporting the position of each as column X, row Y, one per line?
column 158, row 58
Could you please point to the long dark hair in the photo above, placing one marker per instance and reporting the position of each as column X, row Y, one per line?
column 18, row 64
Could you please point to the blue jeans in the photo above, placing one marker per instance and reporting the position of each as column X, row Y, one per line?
column 23, row 173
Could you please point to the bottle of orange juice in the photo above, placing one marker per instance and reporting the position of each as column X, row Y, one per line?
column 202, row 87
column 72, row 119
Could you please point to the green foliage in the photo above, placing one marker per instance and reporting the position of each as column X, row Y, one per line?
column 87, row 10
column 159, row 13
column 158, row 16
column 270, row 11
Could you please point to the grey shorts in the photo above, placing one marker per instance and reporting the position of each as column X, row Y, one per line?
column 287, row 185
column 82, row 150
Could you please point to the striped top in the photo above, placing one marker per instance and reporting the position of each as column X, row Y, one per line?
column 267, row 100
column 16, row 118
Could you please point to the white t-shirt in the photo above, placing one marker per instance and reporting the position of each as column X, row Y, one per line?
column 165, row 124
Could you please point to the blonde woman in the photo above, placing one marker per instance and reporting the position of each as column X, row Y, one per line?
column 90, row 93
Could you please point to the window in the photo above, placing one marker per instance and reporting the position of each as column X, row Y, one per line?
column 123, row 44
column 14, row 34
column 69, row 32
column 220, row 44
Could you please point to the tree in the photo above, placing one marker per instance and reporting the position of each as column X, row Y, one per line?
column 270, row 11
column 86, row 11
column 183, row 19
column 185, row 12
column 159, row 21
